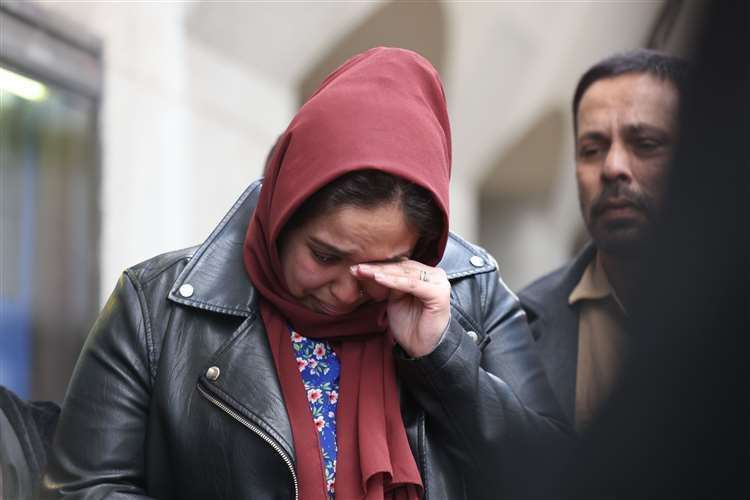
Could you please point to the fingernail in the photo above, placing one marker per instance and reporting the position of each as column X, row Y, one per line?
column 354, row 268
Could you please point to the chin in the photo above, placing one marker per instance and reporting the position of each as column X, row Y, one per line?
column 625, row 238
column 622, row 243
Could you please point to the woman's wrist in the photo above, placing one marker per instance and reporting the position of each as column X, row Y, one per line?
column 427, row 348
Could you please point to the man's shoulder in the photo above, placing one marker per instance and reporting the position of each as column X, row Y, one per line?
column 541, row 287
column 553, row 289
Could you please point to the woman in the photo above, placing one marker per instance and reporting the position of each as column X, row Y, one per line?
column 262, row 364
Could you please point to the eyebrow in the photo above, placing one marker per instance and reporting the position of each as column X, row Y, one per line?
column 639, row 128
column 342, row 253
column 631, row 129
column 592, row 136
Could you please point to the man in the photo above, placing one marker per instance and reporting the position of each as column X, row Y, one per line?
column 625, row 115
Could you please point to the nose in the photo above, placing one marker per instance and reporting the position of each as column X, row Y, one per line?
column 617, row 164
column 345, row 289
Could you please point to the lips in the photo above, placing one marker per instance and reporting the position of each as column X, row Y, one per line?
column 621, row 203
column 613, row 206
column 328, row 309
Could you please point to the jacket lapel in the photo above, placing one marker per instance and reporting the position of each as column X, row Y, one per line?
column 247, row 382
column 555, row 324
column 215, row 280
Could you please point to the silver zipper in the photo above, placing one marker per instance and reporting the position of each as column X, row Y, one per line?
column 260, row 433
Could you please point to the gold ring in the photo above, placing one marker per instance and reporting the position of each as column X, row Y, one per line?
column 423, row 275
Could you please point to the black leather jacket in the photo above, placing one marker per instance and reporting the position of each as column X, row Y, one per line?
column 175, row 394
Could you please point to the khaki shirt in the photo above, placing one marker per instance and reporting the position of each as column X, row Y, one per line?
column 602, row 341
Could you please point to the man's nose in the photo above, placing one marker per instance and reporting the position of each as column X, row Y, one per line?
column 346, row 289
column 617, row 164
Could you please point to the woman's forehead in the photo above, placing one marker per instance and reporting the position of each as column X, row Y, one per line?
column 370, row 234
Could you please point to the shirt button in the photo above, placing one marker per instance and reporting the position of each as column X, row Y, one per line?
column 186, row 290
column 476, row 261
column 472, row 335
column 213, row 373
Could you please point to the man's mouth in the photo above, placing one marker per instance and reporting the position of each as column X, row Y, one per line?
column 616, row 206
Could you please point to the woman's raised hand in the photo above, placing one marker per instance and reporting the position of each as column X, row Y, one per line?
column 418, row 302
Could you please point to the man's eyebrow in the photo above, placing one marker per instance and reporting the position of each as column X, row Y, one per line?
column 592, row 136
column 640, row 128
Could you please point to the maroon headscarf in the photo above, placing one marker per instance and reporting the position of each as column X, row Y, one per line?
column 383, row 109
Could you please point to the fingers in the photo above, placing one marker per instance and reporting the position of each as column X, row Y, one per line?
column 414, row 278
column 406, row 269
column 409, row 268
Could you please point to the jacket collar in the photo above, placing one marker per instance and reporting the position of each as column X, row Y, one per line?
column 536, row 299
column 215, row 278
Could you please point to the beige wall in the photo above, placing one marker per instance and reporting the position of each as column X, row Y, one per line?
column 184, row 129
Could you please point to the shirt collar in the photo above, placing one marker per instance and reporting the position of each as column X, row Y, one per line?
column 594, row 284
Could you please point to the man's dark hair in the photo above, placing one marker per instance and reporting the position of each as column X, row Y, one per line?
column 652, row 62
column 372, row 188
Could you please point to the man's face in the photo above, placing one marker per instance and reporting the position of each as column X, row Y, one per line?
column 626, row 129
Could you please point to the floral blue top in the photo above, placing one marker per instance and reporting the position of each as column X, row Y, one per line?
column 320, row 368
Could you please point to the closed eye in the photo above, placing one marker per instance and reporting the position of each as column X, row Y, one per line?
column 647, row 140
column 591, row 150
column 647, row 145
column 591, row 145
column 324, row 258
column 588, row 151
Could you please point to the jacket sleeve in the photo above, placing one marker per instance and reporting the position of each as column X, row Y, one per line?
column 490, row 399
column 98, row 450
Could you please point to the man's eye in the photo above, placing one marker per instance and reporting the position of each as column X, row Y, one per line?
column 325, row 258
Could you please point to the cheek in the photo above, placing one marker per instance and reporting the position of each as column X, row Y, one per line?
column 375, row 292
column 652, row 178
column 588, row 185
column 308, row 276
column 302, row 273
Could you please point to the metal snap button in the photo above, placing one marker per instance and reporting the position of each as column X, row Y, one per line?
column 213, row 373
column 473, row 335
column 186, row 290
column 476, row 261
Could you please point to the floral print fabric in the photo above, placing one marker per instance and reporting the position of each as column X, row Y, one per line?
column 320, row 368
